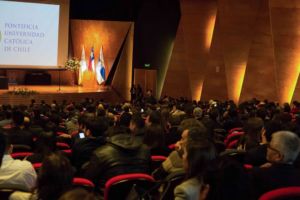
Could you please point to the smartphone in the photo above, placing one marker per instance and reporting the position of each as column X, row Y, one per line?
column 81, row 135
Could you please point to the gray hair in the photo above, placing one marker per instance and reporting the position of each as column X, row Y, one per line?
column 288, row 143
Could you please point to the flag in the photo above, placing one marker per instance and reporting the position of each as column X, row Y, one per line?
column 100, row 69
column 83, row 66
column 91, row 66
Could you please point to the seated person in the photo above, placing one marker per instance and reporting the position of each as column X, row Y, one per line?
column 14, row 174
column 174, row 163
column 120, row 155
column 280, row 171
column 93, row 138
column 17, row 133
column 196, row 158
column 155, row 139
column 44, row 145
column 55, row 178
column 257, row 155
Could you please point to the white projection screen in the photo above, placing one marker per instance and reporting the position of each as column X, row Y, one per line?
column 33, row 34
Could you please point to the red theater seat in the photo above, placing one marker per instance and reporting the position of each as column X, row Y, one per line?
column 282, row 193
column 119, row 186
column 84, row 183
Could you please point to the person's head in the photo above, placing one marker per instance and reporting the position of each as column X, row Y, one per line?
column 153, row 118
column 227, row 179
column 136, row 122
column 269, row 128
column 253, row 128
column 46, row 142
column 283, row 148
column 18, row 118
column 55, row 177
column 197, row 113
column 96, row 127
column 154, row 136
column 78, row 194
column 125, row 119
column 197, row 156
column 184, row 127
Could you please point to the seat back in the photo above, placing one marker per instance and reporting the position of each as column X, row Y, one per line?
column 285, row 193
column 21, row 155
column 171, row 181
column 156, row 161
column 37, row 166
column 83, row 183
column 232, row 137
column 119, row 186
column 5, row 193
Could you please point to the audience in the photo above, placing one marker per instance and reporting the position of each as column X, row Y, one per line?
column 196, row 158
column 279, row 172
column 117, row 140
column 121, row 154
column 14, row 174
column 54, row 178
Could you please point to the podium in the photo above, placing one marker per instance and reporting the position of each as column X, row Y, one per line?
column 3, row 83
column 37, row 78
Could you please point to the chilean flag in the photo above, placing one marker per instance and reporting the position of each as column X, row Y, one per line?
column 91, row 66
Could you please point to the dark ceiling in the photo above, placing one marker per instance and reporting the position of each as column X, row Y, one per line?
column 156, row 23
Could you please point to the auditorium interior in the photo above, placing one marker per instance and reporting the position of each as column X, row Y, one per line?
column 149, row 99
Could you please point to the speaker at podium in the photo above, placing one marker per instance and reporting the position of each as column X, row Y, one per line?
column 3, row 83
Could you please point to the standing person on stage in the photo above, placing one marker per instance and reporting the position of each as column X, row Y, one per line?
column 133, row 93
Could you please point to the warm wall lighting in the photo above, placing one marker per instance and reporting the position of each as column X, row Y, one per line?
column 210, row 30
column 198, row 91
column 289, row 90
column 238, row 79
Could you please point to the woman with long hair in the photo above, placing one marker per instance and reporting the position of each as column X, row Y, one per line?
column 196, row 159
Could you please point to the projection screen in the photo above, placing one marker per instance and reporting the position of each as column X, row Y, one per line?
column 33, row 35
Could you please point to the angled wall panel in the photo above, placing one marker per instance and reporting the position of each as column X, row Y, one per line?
column 260, row 72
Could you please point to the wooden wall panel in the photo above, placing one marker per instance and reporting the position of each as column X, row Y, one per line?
column 260, row 70
column 191, row 49
column 123, row 75
column 254, row 51
column 215, row 85
column 176, row 83
column 237, row 19
column 285, row 21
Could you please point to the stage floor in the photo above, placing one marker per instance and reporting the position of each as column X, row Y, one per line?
column 48, row 93
column 50, row 89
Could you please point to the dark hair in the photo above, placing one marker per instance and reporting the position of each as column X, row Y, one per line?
column 46, row 142
column 138, row 120
column 18, row 118
column 154, row 137
column 228, row 180
column 55, row 177
column 272, row 127
column 125, row 119
column 155, row 117
column 78, row 194
column 97, row 126
column 3, row 145
column 199, row 155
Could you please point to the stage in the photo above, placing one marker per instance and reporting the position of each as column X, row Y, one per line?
column 22, row 94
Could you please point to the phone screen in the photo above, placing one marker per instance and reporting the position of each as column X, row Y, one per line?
column 81, row 135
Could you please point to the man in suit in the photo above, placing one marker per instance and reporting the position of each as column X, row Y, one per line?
column 279, row 171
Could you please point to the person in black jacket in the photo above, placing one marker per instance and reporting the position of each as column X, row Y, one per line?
column 122, row 154
column 93, row 138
